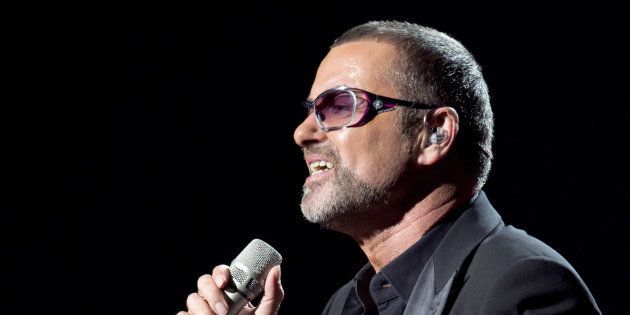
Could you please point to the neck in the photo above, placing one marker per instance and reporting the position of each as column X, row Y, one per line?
column 383, row 244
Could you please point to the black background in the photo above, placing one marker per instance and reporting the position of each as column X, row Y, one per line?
column 145, row 145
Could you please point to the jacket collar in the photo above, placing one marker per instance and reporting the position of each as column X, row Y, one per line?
column 470, row 229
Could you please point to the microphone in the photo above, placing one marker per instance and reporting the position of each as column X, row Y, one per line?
column 248, row 272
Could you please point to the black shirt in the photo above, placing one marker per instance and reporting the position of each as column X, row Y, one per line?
column 388, row 291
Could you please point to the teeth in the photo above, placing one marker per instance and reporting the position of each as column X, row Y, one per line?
column 319, row 166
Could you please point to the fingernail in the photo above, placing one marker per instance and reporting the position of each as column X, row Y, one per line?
column 220, row 281
column 278, row 274
column 221, row 308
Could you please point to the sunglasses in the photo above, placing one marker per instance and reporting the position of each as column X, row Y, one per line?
column 344, row 106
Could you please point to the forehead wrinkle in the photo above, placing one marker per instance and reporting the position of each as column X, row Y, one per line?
column 365, row 65
column 353, row 72
column 348, row 72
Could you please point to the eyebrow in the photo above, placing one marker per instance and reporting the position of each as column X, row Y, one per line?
column 310, row 99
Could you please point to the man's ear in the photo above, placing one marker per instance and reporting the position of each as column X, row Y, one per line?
column 440, row 130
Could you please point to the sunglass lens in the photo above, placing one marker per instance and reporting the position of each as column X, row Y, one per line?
column 335, row 108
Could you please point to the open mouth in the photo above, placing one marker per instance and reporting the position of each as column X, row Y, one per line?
column 319, row 167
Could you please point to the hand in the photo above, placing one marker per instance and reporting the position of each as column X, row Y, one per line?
column 209, row 299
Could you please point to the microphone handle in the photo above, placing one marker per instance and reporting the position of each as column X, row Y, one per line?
column 235, row 299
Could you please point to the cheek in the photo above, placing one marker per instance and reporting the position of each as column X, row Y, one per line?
column 388, row 163
column 375, row 159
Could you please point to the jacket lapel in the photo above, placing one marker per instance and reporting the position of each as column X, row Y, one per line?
column 424, row 299
column 431, row 291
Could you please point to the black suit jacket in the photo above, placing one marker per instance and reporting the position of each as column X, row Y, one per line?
column 484, row 267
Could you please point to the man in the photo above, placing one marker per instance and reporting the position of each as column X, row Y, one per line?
column 398, row 145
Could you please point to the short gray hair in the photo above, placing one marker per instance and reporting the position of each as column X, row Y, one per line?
column 434, row 68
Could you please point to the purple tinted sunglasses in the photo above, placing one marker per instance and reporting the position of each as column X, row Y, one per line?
column 344, row 106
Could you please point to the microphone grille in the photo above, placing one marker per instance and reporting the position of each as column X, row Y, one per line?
column 259, row 257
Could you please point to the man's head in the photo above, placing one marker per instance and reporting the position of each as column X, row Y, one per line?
column 378, row 162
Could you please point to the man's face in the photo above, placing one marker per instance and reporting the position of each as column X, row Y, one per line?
column 355, row 169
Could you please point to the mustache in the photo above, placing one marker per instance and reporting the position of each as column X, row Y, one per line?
column 321, row 150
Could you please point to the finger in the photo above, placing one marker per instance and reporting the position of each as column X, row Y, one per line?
column 274, row 293
column 221, row 275
column 212, row 294
column 182, row 313
column 197, row 305
column 248, row 309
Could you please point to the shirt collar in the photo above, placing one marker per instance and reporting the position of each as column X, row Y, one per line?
column 403, row 272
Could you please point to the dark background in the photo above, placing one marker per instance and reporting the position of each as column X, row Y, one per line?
column 143, row 146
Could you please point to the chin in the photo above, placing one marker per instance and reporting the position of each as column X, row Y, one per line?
column 328, row 217
column 313, row 215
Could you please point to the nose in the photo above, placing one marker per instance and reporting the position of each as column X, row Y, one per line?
column 308, row 132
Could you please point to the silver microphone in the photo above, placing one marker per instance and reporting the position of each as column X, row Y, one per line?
column 248, row 272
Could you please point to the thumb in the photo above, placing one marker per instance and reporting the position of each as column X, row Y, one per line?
column 274, row 293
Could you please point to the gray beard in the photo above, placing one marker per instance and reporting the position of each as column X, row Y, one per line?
column 341, row 199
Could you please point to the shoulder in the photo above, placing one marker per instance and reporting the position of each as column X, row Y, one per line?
column 513, row 270
column 509, row 245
